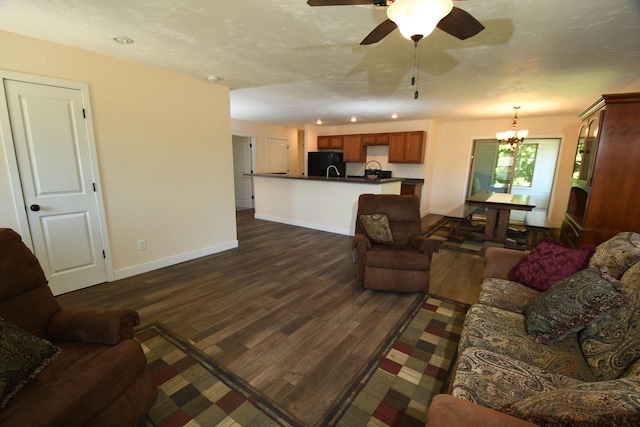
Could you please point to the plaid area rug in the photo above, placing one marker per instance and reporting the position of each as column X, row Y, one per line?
column 395, row 389
column 472, row 237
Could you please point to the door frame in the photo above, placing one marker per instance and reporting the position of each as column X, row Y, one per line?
column 12, row 160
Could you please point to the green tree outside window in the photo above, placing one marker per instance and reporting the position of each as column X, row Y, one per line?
column 524, row 165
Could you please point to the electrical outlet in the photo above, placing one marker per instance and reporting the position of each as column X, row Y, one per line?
column 142, row 244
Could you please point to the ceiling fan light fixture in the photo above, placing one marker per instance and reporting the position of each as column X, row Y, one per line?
column 418, row 17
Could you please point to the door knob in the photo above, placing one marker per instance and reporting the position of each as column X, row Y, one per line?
column 34, row 208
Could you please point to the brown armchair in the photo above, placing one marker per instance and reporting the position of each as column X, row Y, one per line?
column 100, row 377
column 403, row 264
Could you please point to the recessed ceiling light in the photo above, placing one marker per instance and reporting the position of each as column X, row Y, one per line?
column 319, row 122
column 122, row 39
column 213, row 78
column 394, row 116
column 353, row 119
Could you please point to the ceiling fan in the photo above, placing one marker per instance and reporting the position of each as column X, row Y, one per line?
column 448, row 18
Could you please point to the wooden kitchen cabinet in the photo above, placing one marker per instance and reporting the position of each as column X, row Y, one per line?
column 382, row 139
column 411, row 190
column 372, row 139
column 407, row 147
column 353, row 149
column 369, row 139
column 330, row 142
column 603, row 195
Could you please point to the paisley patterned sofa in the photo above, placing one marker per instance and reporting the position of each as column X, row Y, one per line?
column 584, row 371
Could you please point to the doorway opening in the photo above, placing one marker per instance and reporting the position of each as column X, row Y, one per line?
column 243, row 164
column 529, row 169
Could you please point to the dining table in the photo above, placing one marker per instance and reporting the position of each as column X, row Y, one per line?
column 499, row 207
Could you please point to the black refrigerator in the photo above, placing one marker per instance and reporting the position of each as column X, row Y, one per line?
column 317, row 163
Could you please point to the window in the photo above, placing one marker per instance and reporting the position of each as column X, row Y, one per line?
column 524, row 165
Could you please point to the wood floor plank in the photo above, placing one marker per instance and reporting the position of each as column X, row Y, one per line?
column 283, row 311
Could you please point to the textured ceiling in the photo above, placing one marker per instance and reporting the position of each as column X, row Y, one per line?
column 290, row 64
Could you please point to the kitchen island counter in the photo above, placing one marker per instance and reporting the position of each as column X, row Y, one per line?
column 347, row 179
column 327, row 204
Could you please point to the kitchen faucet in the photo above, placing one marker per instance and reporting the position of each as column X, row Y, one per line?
column 332, row 166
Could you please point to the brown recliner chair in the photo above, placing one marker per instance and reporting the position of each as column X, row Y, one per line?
column 400, row 265
column 100, row 377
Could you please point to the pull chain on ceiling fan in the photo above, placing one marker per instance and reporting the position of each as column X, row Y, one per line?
column 416, row 19
column 415, row 80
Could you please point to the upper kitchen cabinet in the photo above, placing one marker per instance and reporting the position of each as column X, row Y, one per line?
column 354, row 149
column 407, row 147
column 371, row 139
column 330, row 142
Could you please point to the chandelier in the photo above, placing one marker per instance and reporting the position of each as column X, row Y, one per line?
column 513, row 137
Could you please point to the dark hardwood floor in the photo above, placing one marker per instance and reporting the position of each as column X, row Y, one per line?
column 283, row 311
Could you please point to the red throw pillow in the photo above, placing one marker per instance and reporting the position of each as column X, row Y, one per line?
column 548, row 263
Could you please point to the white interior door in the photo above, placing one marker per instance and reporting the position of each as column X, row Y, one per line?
column 277, row 155
column 51, row 144
column 242, row 164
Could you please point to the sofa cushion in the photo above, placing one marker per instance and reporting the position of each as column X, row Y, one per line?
column 633, row 370
column 548, row 263
column 611, row 343
column 22, row 357
column 376, row 227
column 503, row 332
column 612, row 403
column 494, row 380
column 618, row 253
column 505, row 294
column 572, row 303
column 397, row 257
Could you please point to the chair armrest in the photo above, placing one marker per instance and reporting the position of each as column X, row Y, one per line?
column 360, row 239
column 425, row 245
column 94, row 325
column 449, row 411
column 499, row 261
column 360, row 244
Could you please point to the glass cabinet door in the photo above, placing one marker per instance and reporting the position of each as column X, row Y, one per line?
column 582, row 136
column 586, row 150
column 589, row 149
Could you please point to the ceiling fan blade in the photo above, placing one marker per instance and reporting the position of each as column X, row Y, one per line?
column 338, row 2
column 379, row 32
column 460, row 24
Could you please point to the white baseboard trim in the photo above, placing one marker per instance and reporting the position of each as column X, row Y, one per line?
column 177, row 259
column 313, row 226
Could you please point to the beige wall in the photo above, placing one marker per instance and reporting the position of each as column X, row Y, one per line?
column 261, row 132
column 454, row 145
column 164, row 151
column 632, row 87
column 448, row 155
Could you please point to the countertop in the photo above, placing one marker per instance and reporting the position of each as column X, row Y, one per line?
column 348, row 179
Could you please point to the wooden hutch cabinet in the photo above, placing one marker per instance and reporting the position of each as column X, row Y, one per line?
column 603, row 200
